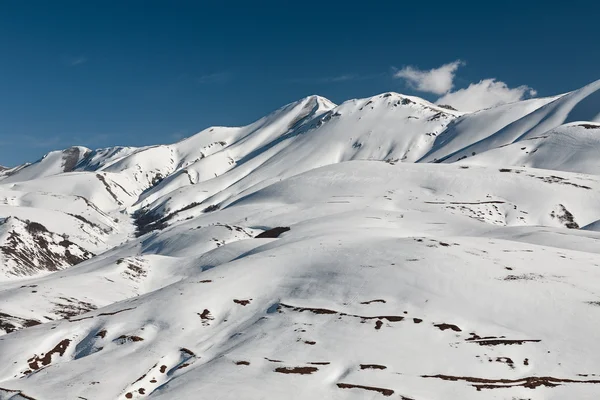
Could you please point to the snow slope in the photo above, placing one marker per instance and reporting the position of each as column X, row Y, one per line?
column 315, row 253
column 572, row 147
column 52, row 163
column 388, row 127
column 579, row 105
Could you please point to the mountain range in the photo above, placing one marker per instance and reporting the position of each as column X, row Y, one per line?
column 386, row 247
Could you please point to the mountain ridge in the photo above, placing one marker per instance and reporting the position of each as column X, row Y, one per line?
column 383, row 247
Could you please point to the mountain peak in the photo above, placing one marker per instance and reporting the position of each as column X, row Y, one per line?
column 323, row 102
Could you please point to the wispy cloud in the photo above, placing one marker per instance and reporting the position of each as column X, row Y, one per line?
column 339, row 78
column 217, row 77
column 19, row 140
column 178, row 135
column 39, row 141
column 55, row 142
column 75, row 61
column 91, row 139
column 334, row 79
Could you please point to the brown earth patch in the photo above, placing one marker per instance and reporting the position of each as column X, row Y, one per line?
column 36, row 362
column 466, row 202
column 385, row 392
column 206, row 316
column 475, row 336
column 115, row 312
column 372, row 366
column 378, row 323
column 312, row 310
column 10, row 323
column 127, row 338
column 373, row 301
column 506, row 342
column 506, row 360
column 444, row 326
column 532, row 382
column 36, row 250
column 187, row 351
column 296, row 370
column 389, row 318
column 67, row 307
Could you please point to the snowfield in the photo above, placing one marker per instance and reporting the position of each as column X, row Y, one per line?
column 383, row 248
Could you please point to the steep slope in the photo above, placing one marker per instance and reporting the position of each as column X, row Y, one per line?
column 84, row 209
column 474, row 127
column 149, row 165
column 28, row 248
column 573, row 147
column 388, row 127
column 53, row 163
column 578, row 106
column 217, row 150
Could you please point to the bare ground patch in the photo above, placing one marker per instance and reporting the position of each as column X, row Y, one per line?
column 383, row 391
column 296, row 370
column 532, row 382
column 36, row 362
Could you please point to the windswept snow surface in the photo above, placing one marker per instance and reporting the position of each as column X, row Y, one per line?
column 328, row 252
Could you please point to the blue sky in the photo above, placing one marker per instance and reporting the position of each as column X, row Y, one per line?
column 103, row 73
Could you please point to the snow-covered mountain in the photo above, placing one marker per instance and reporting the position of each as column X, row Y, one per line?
column 381, row 248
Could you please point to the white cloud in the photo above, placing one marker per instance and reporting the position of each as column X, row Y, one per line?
column 437, row 80
column 486, row 93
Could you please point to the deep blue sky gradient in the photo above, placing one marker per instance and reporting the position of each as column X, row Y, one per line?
column 103, row 73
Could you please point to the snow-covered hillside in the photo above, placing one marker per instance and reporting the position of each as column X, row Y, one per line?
column 383, row 248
